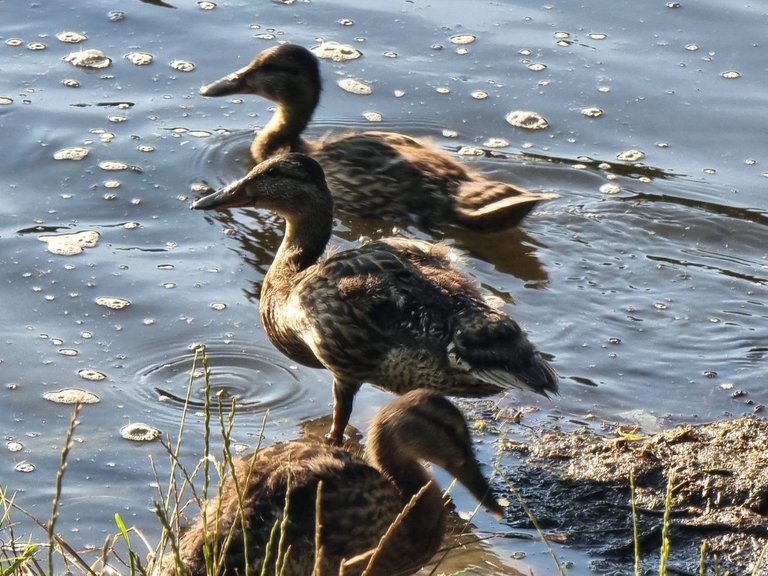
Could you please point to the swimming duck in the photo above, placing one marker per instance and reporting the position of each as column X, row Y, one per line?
column 359, row 500
column 392, row 312
column 371, row 174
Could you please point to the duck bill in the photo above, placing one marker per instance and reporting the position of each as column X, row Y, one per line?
column 231, row 84
column 232, row 196
column 470, row 475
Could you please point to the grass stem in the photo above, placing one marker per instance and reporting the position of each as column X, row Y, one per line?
column 51, row 528
column 665, row 547
column 635, row 527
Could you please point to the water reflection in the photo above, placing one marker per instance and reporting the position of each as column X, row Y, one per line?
column 629, row 169
column 513, row 252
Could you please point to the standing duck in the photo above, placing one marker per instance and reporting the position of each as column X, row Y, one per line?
column 391, row 312
column 371, row 174
column 359, row 501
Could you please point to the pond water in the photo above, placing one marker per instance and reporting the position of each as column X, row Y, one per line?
column 644, row 281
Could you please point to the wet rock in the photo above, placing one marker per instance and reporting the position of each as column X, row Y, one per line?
column 337, row 52
column 527, row 119
column 71, row 396
column 140, row 432
column 70, row 244
column 88, row 59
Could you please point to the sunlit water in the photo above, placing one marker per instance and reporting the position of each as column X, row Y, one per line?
column 644, row 282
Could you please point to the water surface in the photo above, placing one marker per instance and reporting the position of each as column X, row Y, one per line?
column 649, row 294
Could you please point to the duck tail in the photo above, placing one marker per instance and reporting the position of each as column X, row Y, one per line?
column 492, row 206
column 494, row 348
column 541, row 377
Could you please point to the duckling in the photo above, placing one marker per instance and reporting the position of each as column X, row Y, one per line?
column 359, row 500
column 371, row 174
column 392, row 312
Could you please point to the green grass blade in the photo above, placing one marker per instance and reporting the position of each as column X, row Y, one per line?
column 663, row 570
column 19, row 562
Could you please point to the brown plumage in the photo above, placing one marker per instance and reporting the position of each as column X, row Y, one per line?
column 391, row 312
column 371, row 174
column 359, row 501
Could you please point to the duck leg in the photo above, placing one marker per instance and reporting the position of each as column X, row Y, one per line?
column 343, row 397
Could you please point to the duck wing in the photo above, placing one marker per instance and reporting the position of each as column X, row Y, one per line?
column 486, row 343
column 493, row 205
column 396, row 301
column 390, row 175
column 360, row 304
column 387, row 175
column 493, row 348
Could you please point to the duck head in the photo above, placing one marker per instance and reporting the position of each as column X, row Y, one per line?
column 427, row 426
column 291, row 185
column 287, row 74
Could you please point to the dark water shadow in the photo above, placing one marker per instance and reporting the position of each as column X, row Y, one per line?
column 707, row 207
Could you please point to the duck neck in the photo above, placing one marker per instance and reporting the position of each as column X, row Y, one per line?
column 283, row 131
column 304, row 242
column 425, row 522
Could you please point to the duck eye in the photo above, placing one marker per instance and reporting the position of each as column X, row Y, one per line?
column 273, row 171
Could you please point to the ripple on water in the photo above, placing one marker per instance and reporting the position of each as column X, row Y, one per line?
column 223, row 156
column 259, row 378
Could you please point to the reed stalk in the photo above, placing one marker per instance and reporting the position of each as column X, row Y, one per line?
column 635, row 527
column 665, row 545
column 51, row 528
column 393, row 527
column 757, row 569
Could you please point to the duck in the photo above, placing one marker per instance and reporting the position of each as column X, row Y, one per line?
column 392, row 312
column 372, row 174
column 359, row 500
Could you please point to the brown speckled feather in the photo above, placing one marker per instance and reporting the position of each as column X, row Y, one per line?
column 371, row 308
column 370, row 503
